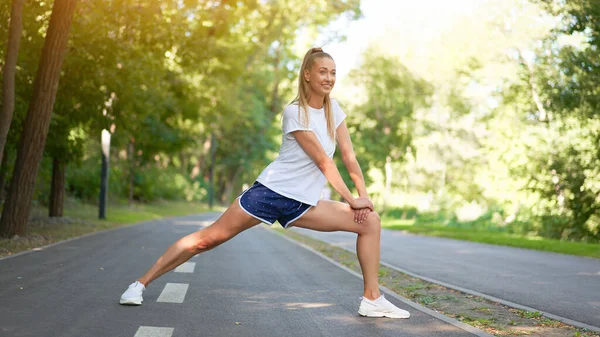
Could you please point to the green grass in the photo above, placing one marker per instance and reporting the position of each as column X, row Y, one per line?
column 497, row 238
column 122, row 213
column 84, row 220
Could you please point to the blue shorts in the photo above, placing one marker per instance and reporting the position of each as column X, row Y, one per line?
column 269, row 206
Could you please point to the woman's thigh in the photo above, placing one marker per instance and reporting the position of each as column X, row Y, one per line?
column 232, row 222
column 331, row 216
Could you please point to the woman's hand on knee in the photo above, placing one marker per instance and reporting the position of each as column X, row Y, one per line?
column 360, row 215
column 360, row 203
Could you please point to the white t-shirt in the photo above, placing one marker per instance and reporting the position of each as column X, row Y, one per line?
column 293, row 173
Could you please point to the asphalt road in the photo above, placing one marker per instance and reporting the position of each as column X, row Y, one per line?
column 563, row 285
column 258, row 284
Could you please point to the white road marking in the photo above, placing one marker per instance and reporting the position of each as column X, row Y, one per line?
column 150, row 331
column 193, row 223
column 173, row 293
column 187, row 267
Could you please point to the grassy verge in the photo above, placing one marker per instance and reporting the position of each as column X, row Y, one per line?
column 497, row 238
column 82, row 219
column 488, row 316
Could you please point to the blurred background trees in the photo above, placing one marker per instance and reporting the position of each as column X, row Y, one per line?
column 492, row 122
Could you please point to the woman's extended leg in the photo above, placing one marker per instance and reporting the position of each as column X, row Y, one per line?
column 230, row 224
column 234, row 221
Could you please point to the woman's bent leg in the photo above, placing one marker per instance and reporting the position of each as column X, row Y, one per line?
column 234, row 221
column 330, row 216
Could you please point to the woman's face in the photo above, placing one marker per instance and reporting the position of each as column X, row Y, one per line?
column 321, row 76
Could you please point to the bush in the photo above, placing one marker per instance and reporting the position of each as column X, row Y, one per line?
column 83, row 180
column 155, row 183
column 560, row 227
column 166, row 183
column 400, row 213
column 491, row 220
column 428, row 218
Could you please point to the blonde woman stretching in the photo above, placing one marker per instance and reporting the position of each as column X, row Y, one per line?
column 288, row 190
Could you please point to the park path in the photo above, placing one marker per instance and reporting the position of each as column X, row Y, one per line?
column 258, row 284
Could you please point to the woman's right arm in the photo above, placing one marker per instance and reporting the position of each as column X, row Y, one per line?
column 310, row 144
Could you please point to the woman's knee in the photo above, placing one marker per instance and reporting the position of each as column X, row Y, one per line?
column 373, row 223
column 204, row 241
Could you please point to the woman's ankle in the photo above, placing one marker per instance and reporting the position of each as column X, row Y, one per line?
column 372, row 294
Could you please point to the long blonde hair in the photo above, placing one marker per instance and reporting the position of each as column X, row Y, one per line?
column 303, row 95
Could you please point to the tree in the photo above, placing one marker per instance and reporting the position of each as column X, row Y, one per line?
column 169, row 75
column 384, row 123
column 8, row 78
column 16, row 209
column 555, row 150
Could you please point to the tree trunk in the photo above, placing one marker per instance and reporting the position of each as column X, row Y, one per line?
column 211, row 173
column 183, row 161
column 199, row 167
column 275, row 107
column 10, row 67
column 230, row 184
column 37, row 122
column 131, row 157
column 57, row 190
column 389, row 174
column 3, row 169
column 222, row 179
column 544, row 115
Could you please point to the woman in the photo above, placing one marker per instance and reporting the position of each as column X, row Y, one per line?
column 288, row 190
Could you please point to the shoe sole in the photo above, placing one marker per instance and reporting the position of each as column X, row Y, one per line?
column 130, row 302
column 379, row 315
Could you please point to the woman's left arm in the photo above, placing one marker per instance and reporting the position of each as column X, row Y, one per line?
column 349, row 159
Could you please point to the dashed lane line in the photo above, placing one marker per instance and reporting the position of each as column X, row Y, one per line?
column 187, row 267
column 151, row 331
column 173, row 293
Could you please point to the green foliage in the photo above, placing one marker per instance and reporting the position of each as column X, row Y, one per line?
column 557, row 98
column 491, row 220
column 499, row 238
column 164, row 77
column 83, row 181
column 502, row 121
column 154, row 183
column 400, row 212
column 566, row 181
column 383, row 124
column 426, row 218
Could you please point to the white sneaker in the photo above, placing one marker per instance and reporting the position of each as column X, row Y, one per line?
column 133, row 294
column 380, row 307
